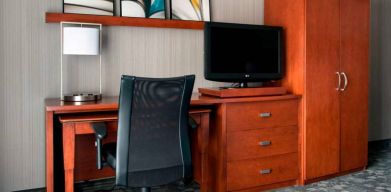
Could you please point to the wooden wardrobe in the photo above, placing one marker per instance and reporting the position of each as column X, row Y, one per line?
column 327, row 56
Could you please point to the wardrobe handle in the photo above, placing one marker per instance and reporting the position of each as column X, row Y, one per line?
column 339, row 81
column 345, row 80
column 265, row 171
column 265, row 115
column 265, row 143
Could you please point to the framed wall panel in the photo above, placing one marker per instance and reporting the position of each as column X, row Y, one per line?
column 91, row 7
column 143, row 8
column 196, row 10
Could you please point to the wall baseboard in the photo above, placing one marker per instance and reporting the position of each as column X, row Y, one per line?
column 43, row 189
column 379, row 144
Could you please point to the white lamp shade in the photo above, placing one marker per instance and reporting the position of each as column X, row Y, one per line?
column 81, row 41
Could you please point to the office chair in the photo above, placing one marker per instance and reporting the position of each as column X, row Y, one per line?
column 153, row 145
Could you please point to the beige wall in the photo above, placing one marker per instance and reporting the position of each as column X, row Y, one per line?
column 380, row 85
column 29, row 72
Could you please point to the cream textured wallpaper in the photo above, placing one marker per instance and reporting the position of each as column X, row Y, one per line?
column 29, row 72
column 380, row 85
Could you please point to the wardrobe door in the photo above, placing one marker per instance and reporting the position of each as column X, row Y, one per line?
column 354, row 99
column 322, row 128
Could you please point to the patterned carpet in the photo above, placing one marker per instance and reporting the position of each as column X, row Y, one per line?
column 377, row 178
column 107, row 185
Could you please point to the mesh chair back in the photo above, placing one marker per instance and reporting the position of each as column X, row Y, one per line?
column 153, row 146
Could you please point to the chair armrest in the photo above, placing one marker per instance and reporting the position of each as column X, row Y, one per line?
column 100, row 131
column 192, row 123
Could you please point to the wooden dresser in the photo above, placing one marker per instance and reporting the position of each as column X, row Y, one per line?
column 254, row 143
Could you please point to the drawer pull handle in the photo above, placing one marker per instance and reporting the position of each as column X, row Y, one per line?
column 265, row 143
column 265, row 115
column 265, row 171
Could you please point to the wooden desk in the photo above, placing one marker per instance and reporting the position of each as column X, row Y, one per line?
column 68, row 125
column 252, row 145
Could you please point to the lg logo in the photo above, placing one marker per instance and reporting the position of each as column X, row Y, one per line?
column 247, row 76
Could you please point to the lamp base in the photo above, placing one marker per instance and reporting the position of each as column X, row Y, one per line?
column 82, row 97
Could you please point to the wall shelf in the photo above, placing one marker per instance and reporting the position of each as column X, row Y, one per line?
column 124, row 21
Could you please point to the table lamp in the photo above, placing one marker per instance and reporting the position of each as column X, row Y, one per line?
column 81, row 39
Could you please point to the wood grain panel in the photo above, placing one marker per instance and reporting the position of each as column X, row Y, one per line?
column 246, row 144
column 199, row 150
column 195, row 156
column 322, row 132
column 217, row 157
column 49, row 148
column 68, row 131
column 271, row 186
column 281, row 113
column 246, row 174
column 243, row 92
column 354, row 100
column 309, row 181
column 123, row 21
column 290, row 15
column 84, row 128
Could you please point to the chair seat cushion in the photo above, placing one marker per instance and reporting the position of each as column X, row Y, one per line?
column 110, row 153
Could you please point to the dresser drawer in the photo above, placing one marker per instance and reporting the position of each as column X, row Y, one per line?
column 254, row 115
column 261, row 143
column 252, row 173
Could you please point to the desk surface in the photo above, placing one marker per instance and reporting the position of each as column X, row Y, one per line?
column 111, row 103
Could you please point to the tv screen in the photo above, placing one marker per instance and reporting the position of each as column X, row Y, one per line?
column 242, row 53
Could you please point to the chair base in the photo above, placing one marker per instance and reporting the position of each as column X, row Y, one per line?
column 146, row 189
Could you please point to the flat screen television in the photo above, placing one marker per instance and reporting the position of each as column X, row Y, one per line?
column 243, row 53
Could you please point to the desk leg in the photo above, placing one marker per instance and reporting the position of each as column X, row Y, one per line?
column 205, row 154
column 49, row 152
column 68, row 140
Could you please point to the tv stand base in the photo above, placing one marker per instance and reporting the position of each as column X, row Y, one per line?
column 243, row 92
